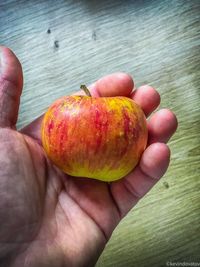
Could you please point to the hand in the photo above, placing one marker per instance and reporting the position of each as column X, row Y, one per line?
column 48, row 218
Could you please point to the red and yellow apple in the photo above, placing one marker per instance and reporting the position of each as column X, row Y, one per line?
column 95, row 137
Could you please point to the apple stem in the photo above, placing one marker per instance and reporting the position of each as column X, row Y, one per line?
column 85, row 89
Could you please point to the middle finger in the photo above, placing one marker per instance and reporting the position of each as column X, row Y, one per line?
column 147, row 98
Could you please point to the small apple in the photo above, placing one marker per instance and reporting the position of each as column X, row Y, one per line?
column 95, row 137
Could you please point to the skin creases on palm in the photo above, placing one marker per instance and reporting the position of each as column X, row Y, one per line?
column 35, row 216
column 22, row 190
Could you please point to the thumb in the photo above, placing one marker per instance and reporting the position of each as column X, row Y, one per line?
column 11, row 82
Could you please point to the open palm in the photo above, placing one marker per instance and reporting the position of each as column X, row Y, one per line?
column 48, row 218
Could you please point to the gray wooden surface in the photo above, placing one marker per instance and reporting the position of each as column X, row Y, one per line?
column 158, row 43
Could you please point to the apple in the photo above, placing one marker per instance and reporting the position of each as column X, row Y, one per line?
column 94, row 137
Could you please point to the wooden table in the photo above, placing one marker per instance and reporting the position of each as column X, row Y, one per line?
column 62, row 44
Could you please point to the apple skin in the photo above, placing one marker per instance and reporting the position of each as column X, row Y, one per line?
column 101, row 138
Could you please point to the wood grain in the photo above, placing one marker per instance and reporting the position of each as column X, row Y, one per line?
column 62, row 44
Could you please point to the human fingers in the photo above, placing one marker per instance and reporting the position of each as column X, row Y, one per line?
column 116, row 84
column 11, row 82
column 147, row 98
column 161, row 126
column 129, row 190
